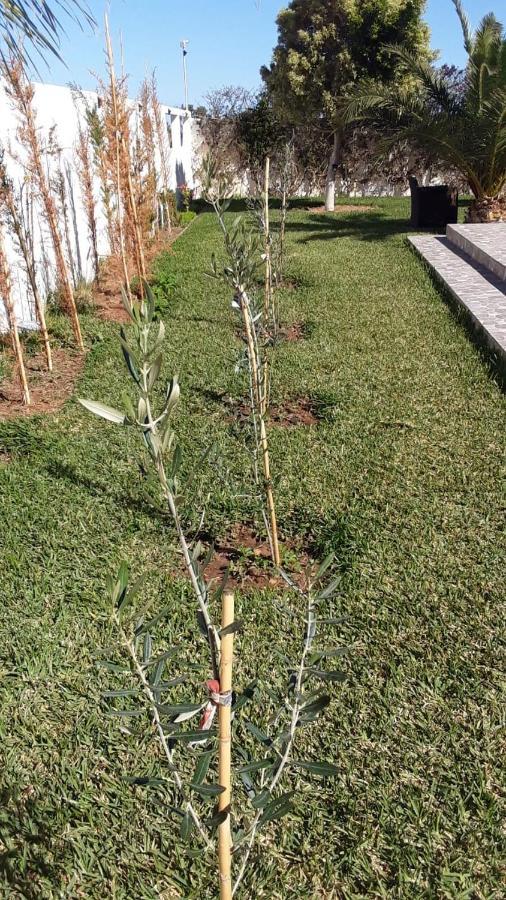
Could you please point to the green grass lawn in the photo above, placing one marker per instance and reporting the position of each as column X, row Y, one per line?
column 403, row 478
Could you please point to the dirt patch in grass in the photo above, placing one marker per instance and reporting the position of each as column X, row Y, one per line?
column 107, row 294
column 296, row 411
column 48, row 390
column 5, row 458
column 247, row 558
column 297, row 331
column 343, row 208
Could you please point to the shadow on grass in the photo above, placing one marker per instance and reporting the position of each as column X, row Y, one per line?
column 27, row 845
column 364, row 226
column 68, row 473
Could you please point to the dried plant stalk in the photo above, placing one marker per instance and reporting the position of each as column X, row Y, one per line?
column 161, row 137
column 105, row 172
column 225, row 744
column 8, row 201
column 5, row 293
column 147, row 176
column 21, row 93
column 126, row 194
column 85, row 174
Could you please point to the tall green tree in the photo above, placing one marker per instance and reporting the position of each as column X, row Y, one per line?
column 324, row 47
column 37, row 21
column 466, row 127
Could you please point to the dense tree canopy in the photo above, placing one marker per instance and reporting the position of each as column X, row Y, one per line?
column 324, row 46
column 460, row 119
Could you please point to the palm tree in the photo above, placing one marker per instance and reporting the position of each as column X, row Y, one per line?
column 466, row 129
column 37, row 21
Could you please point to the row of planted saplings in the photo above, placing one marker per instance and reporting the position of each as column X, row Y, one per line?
column 262, row 727
column 122, row 169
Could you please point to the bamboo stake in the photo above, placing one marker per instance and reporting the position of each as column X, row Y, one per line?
column 260, row 399
column 225, row 747
column 268, row 308
column 5, row 292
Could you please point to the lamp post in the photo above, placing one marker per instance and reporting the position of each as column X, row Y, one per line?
column 183, row 44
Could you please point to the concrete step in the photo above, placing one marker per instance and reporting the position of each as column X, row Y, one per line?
column 486, row 244
column 473, row 285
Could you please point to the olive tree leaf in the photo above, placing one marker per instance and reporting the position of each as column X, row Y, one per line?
column 103, row 411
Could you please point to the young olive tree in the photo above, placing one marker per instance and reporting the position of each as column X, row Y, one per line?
column 244, row 249
column 199, row 764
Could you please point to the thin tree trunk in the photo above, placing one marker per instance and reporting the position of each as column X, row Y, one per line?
column 335, row 159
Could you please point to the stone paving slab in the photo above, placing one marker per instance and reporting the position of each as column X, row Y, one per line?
column 486, row 244
column 475, row 287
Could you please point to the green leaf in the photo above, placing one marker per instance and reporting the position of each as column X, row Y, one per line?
column 156, row 675
column 218, row 818
column 335, row 676
column 202, row 767
column 173, row 392
column 256, row 765
column 131, row 362
column 325, row 769
column 261, row 799
column 146, row 781
column 162, row 656
column 147, row 649
column 178, row 708
column 329, row 590
column 105, row 412
column 127, row 692
column 276, row 808
column 259, row 735
column 316, row 706
column 111, row 667
column 190, row 736
column 207, row 790
column 324, row 565
column 154, row 371
column 232, row 628
column 125, row 713
column 186, row 826
column 245, row 697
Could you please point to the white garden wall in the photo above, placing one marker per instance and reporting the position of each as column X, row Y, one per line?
column 56, row 110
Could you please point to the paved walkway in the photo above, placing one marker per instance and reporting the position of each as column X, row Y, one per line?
column 479, row 286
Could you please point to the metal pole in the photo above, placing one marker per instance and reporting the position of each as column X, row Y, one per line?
column 183, row 44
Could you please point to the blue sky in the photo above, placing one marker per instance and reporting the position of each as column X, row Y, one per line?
column 229, row 41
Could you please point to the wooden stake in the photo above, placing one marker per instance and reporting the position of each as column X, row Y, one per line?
column 268, row 262
column 260, row 400
column 225, row 748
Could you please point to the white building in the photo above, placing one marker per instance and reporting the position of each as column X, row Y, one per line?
column 56, row 110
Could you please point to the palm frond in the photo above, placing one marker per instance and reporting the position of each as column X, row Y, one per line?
column 37, row 21
column 467, row 32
